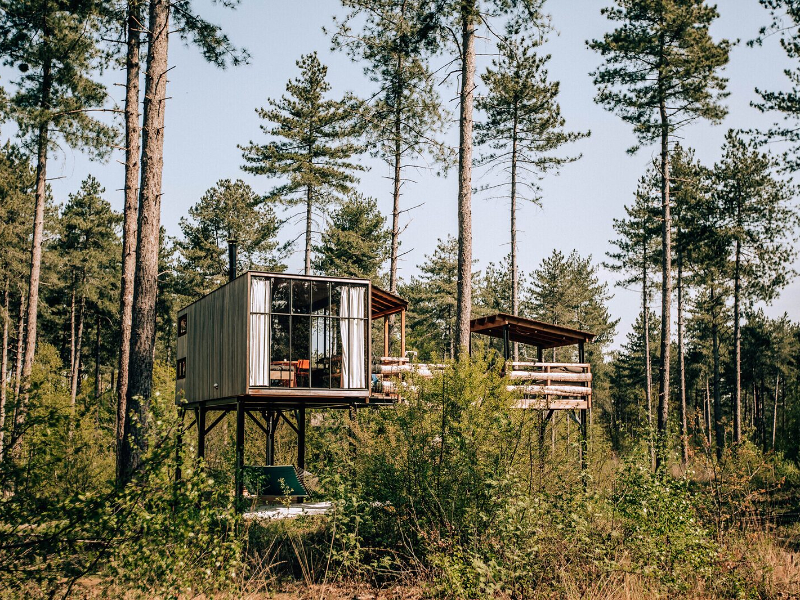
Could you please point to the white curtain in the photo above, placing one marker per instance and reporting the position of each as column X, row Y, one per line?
column 259, row 331
column 352, row 311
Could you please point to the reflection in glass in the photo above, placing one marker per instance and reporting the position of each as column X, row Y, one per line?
column 281, row 293
column 301, row 297
column 336, row 295
column 320, row 297
column 335, row 336
column 281, row 370
column 301, row 355
column 320, row 352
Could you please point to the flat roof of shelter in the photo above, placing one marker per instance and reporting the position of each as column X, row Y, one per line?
column 385, row 303
column 529, row 331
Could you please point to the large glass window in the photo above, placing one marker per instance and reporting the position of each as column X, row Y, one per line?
column 308, row 334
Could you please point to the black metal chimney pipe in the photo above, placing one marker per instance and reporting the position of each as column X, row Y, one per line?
column 231, row 260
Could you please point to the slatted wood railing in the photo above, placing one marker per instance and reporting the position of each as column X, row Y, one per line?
column 551, row 385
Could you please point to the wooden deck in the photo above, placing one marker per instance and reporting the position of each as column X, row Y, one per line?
column 541, row 385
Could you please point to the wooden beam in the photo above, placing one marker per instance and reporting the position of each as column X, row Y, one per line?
column 239, row 469
column 403, row 333
column 301, row 439
column 216, row 422
column 386, row 336
column 257, row 422
column 201, row 431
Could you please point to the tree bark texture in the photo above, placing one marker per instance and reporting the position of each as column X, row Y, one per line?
column 737, row 345
column 32, row 311
column 464, row 284
column 682, row 365
column 76, row 360
column 145, row 291
column 719, row 429
column 648, row 368
column 309, row 217
column 666, row 293
column 131, row 210
column 514, row 266
column 4, row 369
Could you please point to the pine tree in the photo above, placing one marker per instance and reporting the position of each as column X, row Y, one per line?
column 432, row 302
column 356, row 241
column 689, row 194
column 637, row 252
column 785, row 15
column 760, row 225
column 405, row 119
column 315, row 140
column 522, row 129
column 136, row 374
column 228, row 211
column 661, row 73
column 88, row 250
column 566, row 290
column 17, row 181
column 56, row 49
column 134, row 27
column 449, row 18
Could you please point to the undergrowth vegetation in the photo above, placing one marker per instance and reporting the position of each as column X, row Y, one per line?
column 452, row 492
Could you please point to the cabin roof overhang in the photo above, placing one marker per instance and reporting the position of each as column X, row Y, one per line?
column 529, row 331
column 385, row 303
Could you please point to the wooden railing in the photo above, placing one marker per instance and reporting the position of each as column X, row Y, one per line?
column 551, row 385
column 391, row 370
column 541, row 385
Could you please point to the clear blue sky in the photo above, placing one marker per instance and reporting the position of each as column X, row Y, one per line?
column 211, row 111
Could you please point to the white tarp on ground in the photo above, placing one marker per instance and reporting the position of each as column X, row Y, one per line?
column 289, row 512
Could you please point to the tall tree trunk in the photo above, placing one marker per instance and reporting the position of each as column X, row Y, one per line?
column 718, row 426
column 737, row 346
column 707, row 411
column 464, row 284
column 4, row 369
column 145, row 292
column 309, row 204
column 666, row 292
column 72, row 333
column 43, row 139
column 76, row 364
column 132, row 152
column 682, row 364
column 397, row 180
column 20, row 345
column 514, row 267
column 775, row 411
column 97, row 390
column 648, row 369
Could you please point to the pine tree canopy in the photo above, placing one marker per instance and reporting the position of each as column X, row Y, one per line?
column 231, row 210
column 523, row 121
column 393, row 45
column 662, row 54
column 356, row 242
column 313, row 139
column 55, row 48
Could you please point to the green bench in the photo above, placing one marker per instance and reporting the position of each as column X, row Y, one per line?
column 273, row 483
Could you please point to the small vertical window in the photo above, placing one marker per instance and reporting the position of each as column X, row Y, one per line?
column 182, row 325
column 181, row 370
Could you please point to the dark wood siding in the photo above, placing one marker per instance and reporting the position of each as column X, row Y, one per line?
column 215, row 344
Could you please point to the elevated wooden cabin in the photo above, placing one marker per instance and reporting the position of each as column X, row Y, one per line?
column 545, row 386
column 279, row 340
column 271, row 345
